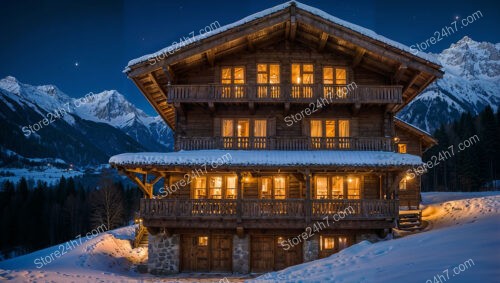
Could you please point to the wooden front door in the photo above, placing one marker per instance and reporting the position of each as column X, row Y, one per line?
column 268, row 255
column 285, row 258
column 262, row 253
column 195, row 254
column 221, row 253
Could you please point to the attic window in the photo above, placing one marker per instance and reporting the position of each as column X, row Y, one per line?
column 402, row 148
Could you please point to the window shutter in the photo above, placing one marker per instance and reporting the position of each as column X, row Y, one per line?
column 217, row 132
column 306, row 127
column 271, row 127
column 354, row 129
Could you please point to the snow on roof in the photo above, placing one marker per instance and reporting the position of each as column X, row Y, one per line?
column 266, row 12
column 412, row 126
column 267, row 158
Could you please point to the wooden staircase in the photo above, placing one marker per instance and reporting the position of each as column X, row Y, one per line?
column 141, row 237
column 410, row 220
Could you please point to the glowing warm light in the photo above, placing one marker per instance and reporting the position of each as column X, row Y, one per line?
column 298, row 80
column 396, row 139
column 349, row 180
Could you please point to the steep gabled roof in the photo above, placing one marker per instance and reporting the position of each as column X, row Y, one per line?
column 427, row 139
column 353, row 27
column 293, row 22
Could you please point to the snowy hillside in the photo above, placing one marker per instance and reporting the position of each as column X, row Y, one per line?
column 463, row 226
column 42, row 121
column 463, row 229
column 470, row 83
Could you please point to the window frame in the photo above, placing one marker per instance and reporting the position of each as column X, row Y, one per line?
column 302, row 73
column 232, row 74
column 334, row 79
column 330, row 183
column 207, row 188
column 272, row 186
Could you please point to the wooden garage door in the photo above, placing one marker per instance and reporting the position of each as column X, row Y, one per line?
column 194, row 252
column 268, row 255
column 285, row 258
column 221, row 253
column 262, row 253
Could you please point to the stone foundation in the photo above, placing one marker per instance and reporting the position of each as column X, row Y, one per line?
column 163, row 254
column 310, row 249
column 241, row 254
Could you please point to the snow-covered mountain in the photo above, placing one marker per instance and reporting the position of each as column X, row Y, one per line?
column 42, row 121
column 470, row 83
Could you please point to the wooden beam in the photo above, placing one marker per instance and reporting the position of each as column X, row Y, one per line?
column 210, row 57
column 147, row 190
column 251, row 46
column 212, row 42
column 411, row 82
column 360, row 52
column 399, row 72
column 169, row 74
column 293, row 22
column 322, row 41
column 367, row 43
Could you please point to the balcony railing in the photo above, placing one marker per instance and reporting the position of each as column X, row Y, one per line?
column 363, row 209
column 352, row 93
column 284, row 143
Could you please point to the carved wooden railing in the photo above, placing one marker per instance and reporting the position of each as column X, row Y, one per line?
column 268, row 208
column 351, row 93
column 285, row 143
column 362, row 208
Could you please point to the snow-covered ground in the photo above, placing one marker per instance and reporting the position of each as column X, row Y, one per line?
column 463, row 227
column 48, row 174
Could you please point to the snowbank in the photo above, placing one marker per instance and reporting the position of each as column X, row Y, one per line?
column 463, row 229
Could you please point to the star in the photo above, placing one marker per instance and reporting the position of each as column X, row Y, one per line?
column 457, row 17
column 77, row 64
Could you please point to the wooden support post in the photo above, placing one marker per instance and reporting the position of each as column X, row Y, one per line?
column 307, row 204
column 239, row 197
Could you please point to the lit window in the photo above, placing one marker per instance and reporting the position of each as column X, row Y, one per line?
column 231, row 187
column 227, row 128
column 328, row 75
column 344, row 132
column 402, row 184
column 216, row 187
column 353, row 187
column 202, row 241
column 259, row 128
column 268, row 73
column 321, row 187
column 316, row 128
column 402, row 148
column 342, row 243
column 302, row 74
column 200, row 189
column 330, row 128
column 279, row 188
column 265, row 188
column 340, row 76
column 338, row 187
column 233, row 76
column 327, row 243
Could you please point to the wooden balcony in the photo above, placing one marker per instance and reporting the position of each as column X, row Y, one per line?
column 266, row 209
column 284, row 143
column 367, row 94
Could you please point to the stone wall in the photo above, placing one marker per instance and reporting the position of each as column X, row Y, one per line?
column 310, row 249
column 163, row 254
column 241, row 254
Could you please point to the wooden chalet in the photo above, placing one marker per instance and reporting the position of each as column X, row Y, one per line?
column 281, row 120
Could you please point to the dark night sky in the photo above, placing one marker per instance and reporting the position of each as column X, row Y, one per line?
column 42, row 41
